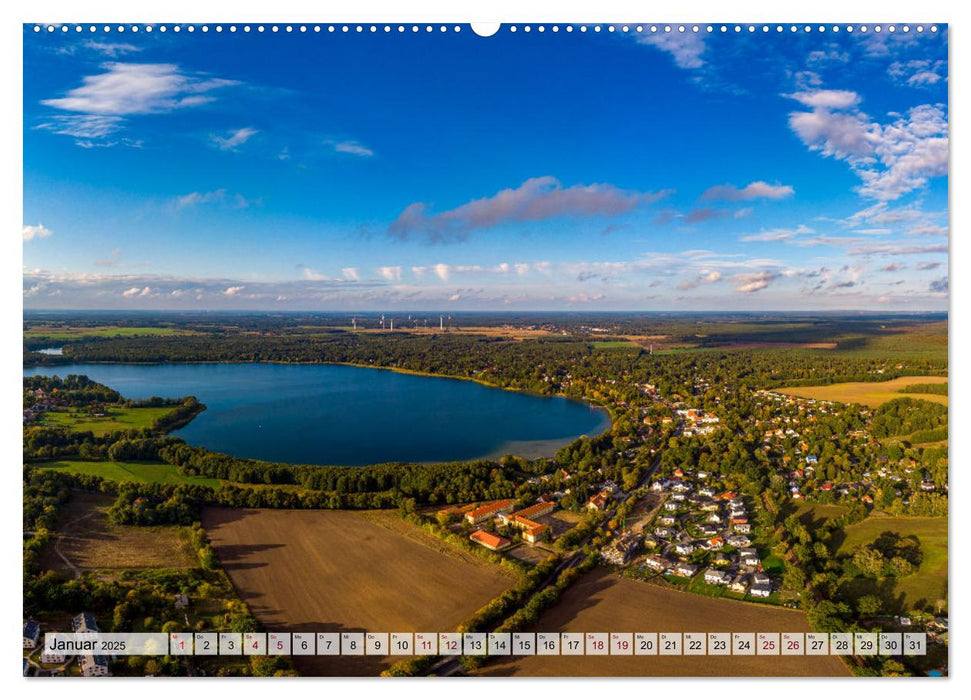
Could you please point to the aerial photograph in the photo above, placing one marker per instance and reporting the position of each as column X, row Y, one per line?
column 399, row 350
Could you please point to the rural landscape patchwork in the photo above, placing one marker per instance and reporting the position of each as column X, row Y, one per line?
column 318, row 386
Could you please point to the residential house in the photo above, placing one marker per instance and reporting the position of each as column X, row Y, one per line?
column 94, row 665
column 31, row 634
column 84, row 622
column 598, row 502
column 738, row 585
column 685, row 569
column 658, row 563
column 760, row 590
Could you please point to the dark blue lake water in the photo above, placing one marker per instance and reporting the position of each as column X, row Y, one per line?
column 335, row 414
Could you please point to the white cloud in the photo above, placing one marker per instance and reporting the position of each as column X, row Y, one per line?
column 442, row 271
column 351, row 273
column 891, row 159
column 837, row 134
column 828, row 55
column 138, row 292
column 85, row 127
column 705, row 277
column 911, row 149
column 928, row 230
column 311, row 274
column 537, row 199
column 38, row 231
column 138, row 88
column 685, row 48
column 918, row 73
column 897, row 249
column 234, row 140
column 392, row 273
column 194, row 198
column 233, row 291
column 109, row 49
column 102, row 103
column 354, row 148
column 749, row 282
column 754, row 190
column 827, row 99
column 778, row 234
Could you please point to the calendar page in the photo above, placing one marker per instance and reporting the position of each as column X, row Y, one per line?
column 485, row 350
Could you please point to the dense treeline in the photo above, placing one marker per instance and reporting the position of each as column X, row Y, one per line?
column 906, row 415
column 937, row 389
column 73, row 389
column 539, row 365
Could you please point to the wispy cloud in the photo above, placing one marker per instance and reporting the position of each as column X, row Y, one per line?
column 536, row 199
column 38, row 231
column 111, row 260
column 896, row 249
column 354, row 148
column 754, row 190
column 698, row 216
column 685, row 48
column 139, row 88
column 109, row 49
column 83, row 127
column 777, row 235
column 918, row 73
column 102, row 103
column 234, row 139
column 220, row 196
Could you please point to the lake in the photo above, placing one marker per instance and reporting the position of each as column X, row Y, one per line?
column 336, row 414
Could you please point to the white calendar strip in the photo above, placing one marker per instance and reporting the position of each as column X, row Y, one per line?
column 391, row 644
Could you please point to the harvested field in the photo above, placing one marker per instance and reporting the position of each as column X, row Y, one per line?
column 871, row 394
column 333, row 571
column 88, row 541
column 604, row 602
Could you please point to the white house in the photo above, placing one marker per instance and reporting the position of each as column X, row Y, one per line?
column 31, row 634
column 760, row 590
column 94, row 666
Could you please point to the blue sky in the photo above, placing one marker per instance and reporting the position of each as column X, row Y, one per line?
column 443, row 171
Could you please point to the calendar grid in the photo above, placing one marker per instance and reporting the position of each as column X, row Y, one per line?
column 391, row 644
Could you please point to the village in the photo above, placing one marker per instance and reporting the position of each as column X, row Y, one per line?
column 38, row 661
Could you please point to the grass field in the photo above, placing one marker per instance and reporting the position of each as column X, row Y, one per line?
column 929, row 583
column 603, row 602
column 871, row 394
column 331, row 571
column 613, row 344
column 88, row 541
column 77, row 332
column 139, row 472
column 116, row 420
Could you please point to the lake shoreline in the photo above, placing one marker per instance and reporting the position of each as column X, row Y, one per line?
column 531, row 449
